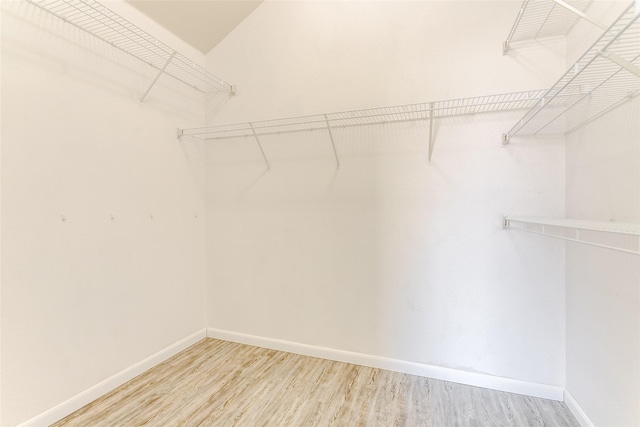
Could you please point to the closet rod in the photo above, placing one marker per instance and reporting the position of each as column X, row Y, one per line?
column 623, row 237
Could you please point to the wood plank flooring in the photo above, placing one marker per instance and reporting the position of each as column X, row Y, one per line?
column 219, row 383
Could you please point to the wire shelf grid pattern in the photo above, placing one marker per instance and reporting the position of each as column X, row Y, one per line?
column 392, row 114
column 594, row 85
column 544, row 18
column 104, row 24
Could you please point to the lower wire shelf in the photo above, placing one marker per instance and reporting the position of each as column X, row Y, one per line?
column 619, row 236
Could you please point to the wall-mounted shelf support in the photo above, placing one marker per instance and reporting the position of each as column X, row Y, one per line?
column 623, row 237
column 264, row 156
column 581, row 14
column 333, row 145
column 146, row 92
column 621, row 62
column 507, row 43
column 430, row 131
column 604, row 111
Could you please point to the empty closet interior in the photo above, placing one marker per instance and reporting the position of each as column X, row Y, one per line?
column 444, row 188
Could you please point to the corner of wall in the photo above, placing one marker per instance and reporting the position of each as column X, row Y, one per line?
column 576, row 410
column 78, row 401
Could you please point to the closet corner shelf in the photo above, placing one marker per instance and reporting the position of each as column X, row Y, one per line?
column 97, row 20
column 546, row 18
column 624, row 237
column 606, row 76
column 426, row 111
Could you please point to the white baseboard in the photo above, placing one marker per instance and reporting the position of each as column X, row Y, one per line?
column 78, row 401
column 447, row 374
column 576, row 410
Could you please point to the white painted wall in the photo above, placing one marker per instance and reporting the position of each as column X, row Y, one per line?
column 388, row 256
column 293, row 59
column 85, row 298
column 603, row 287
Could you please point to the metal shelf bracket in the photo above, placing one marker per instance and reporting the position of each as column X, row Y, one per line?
column 161, row 72
column 431, row 142
column 333, row 145
column 621, row 62
column 581, row 14
column 264, row 156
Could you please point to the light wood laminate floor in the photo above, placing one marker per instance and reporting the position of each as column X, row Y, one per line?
column 219, row 383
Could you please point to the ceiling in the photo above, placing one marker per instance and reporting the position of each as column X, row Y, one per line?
column 200, row 23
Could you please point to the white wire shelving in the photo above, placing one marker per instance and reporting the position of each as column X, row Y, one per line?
column 104, row 24
column 426, row 111
column 619, row 236
column 605, row 76
column 547, row 18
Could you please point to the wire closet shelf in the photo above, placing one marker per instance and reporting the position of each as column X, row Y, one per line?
column 605, row 76
column 619, row 236
column 392, row 114
column 545, row 18
column 104, row 24
column 427, row 111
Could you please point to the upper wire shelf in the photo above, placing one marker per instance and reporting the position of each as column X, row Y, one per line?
column 104, row 24
column 624, row 237
column 545, row 18
column 427, row 111
column 605, row 76
column 392, row 114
